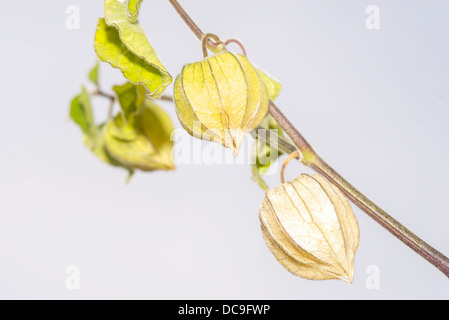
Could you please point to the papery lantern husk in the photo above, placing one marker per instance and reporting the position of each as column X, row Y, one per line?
column 144, row 141
column 221, row 98
column 310, row 228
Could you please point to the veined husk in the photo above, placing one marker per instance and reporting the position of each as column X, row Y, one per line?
column 221, row 98
column 310, row 228
column 142, row 141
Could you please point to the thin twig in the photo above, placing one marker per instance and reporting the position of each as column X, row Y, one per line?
column 191, row 24
column 111, row 109
column 99, row 92
column 267, row 136
column 167, row 98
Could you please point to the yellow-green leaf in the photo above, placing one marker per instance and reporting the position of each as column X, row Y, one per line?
column 124, row 45
column 273, row 86
column 81, row 113
column 111, row 49
column 130, row 98
column 264, row 154
column 93, row 74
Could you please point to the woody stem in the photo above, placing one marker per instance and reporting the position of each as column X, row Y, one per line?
column 191, row 24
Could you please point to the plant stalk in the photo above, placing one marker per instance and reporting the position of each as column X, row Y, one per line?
column 312, row 159
column 191, row 24
column 266, row 136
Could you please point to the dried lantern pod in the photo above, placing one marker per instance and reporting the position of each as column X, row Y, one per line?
column 221, row 98
column 310, row 228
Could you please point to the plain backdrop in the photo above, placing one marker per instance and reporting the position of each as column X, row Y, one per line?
column 373, row 103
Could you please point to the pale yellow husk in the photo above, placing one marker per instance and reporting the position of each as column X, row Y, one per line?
column 221, row 98
column 310, row 228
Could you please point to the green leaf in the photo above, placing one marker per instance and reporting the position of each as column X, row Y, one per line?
column 130, row 98
column 111, row 49
column 270, row 123
column 265, row 155
column 124, row 45
column 273, row 86
column 81, row 112
column 133, row 8
column 146, row 145
column 257, row 177
column 93, row 74
column 77, row 113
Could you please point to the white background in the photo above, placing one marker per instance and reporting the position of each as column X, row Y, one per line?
column 373, row 103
